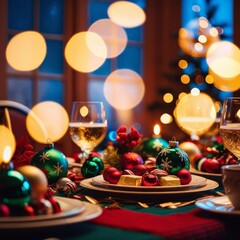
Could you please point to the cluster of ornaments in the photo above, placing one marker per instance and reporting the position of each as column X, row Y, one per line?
column 26, row 193
column 212, row 159
column 170, row 167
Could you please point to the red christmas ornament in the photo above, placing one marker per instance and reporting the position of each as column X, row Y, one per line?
column 107, row 172
column 185, row 176
column 114, row 177
column 4, row 210
column 149, row 179
column 139, row 169
column 129, row 160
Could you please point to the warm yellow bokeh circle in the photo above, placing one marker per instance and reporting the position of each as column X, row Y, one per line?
column 26, row 51
column 223, row 58
column 195, row 114
column 225, row 84
column 124, row 89
column 85, row 51
column 7, row 144
column 114, row 36
column 126, row 14
column 47, row 121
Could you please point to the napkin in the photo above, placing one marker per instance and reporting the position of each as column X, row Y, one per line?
column 195, row 224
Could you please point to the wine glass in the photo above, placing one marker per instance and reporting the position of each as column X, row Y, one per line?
column 88, row 126
column 230, row 125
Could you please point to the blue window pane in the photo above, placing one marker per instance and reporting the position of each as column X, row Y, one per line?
column 135, row 34
column 97, row 10
column 51, row 16
column 131, row 58
column 53, row 62
column 20, row 14
column 20, row 90
column 50, row 90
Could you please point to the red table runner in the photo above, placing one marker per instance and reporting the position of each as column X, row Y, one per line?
column 195, row 224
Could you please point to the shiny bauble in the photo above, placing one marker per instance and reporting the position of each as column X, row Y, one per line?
column 37, row 179
column 208, row 165
column 52, row 162
column 15, row 190
column 172, row 158
column 150, row 180
column 129, row 160
column 191, row 149
column 151, row 147
column 139, row 169
column 185, row 176
column 108, row 171
column 92, row 167
column 114, row 177
column 4, row 210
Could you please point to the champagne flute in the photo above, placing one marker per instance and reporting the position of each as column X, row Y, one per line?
column 230, row 125
column 88, row 126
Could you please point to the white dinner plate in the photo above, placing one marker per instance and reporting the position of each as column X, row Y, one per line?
column 89, row 184
column 91, row 211
column 217, row 205
column 197, row 181
column 68, row 206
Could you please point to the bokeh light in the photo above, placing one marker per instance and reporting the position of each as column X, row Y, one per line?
column 26, row 51
column 7, row 144
column 85, row 52
column 168, row 97
column 126, row 14
column 124, row 89
column 197, row 36
column 195, row 114
column 225, row 84
column 223, row 58
column 114, row 36
column 166, row 118
column 47, row 122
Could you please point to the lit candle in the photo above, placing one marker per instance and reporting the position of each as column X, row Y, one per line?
column 156, row 131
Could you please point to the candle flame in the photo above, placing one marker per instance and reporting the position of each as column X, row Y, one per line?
column 7, row 153
column 156, row 129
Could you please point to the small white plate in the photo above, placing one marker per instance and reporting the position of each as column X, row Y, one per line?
column 91, row 211
column 68, row 206
column 217, row 205
column 197, row 181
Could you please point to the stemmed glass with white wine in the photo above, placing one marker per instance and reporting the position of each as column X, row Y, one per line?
column 230, row 125
column 88, row 126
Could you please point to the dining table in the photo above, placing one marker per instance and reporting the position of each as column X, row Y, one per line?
column 138, row 214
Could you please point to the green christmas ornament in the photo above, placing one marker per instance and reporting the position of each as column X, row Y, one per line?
column 15, row 190
column 151, row 147
column 92, row 167
column 172, row 159
column 52, row 162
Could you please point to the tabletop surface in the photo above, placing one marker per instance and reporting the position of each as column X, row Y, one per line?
column 90, row 230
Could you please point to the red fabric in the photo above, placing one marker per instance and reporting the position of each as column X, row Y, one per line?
column 195, row 224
